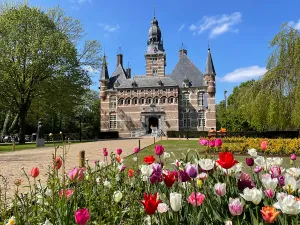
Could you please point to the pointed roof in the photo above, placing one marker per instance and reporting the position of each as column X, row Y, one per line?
column 118, row 76
column 209, row 69
column 104, row 71
column 185, row 69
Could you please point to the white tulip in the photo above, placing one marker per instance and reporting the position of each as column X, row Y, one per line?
column 175, row 201
column 11, row 221
column 106, row 183
column 252, row 195
column 269, row 183
column 260, row 161
column 290, row 184
column 135, row 159
column 206, row 164
column 295, row 172
column 252, row 152
column 288, row 205
column 118, row 196
column 47, row 222
column 146, row 170
column 162, row 207
column 228, row 222
column 166, row 155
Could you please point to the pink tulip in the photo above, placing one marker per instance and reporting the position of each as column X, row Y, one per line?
column 196, row 199
column 119, row 151
column 76, row 174
column 159, row 149
column 275, row 171
column 293, row 157
column 218, row 142
column 34, row 172
column 235, row 206
column 104, row 150
column 220, row 189
column 105, row 153
column 203, row 141
column 82, row 216
column 136, row 150
column 257, row 169
column 68, row 193
column 269, row 193
column 211, row 143
column 264, row 145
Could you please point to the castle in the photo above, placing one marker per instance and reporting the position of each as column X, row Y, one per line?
column 183, row 100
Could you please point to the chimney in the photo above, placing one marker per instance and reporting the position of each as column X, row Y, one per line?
column 120, row 59
column 181, row 52
column 128, row 71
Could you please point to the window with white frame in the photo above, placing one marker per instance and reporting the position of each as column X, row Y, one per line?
column 186, row 120
column 142, row 101
column 200, row 99
column 185, row 99
column 163, row 100
column 171, row 100
column 127, row 101
column 112, row 121
column 201, row 118
column 149, row 100
column 134, row 101
column 113, row 102
column 121, row 101
column 155, row 100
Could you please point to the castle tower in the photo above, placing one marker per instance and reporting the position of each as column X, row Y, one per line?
column 155, row 55
column 210, row 77
column 104, row 79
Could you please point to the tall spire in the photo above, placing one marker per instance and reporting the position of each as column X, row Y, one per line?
column 104, row 71
column 210, row 69
column 154, row 12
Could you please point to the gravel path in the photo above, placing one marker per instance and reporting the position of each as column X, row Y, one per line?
column 11, row 163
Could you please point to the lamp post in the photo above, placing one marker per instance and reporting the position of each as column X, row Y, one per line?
column 187, row 120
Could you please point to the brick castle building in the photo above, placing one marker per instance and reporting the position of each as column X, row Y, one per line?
column 182, row 100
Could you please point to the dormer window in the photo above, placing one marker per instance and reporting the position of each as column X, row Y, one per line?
column 134, row 84
column 160, row 83
column 186, row 83
column 116, row 84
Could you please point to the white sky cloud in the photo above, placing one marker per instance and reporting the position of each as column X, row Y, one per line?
column 217, row 25
column 181, row 27
column 109, row 27
column 90, row 69
column 244, row 74
column 295, row 25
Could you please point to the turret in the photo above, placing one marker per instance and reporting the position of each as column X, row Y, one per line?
column 104, row 78
column 210, row 75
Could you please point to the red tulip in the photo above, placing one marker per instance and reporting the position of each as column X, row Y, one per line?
column 34, row 172
column 150, row 203
column 119, row 151
column 264, row 145
column 105, row 153
column 149, row 159
column 169, row 179
column 159, row 149
column 218, row 142
column 82, row 216
column 104, row 150
column 226, row 160
column 57, row 163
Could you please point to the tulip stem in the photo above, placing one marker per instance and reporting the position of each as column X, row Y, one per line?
column 195, row 191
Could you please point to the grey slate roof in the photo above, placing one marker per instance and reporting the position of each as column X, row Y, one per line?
column 209, row 69
column 185, row 69
column 118, row 76
column 143, row 82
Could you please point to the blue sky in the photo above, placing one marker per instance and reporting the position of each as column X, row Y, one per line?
column 238, row 32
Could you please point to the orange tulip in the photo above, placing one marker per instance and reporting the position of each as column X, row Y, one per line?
column 118, row 158
column 34, row 172
column 269, row 214
column 130, row 173
column 264, row 145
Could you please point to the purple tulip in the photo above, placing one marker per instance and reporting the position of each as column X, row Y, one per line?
column 293, row 157
column 136, row 150
column 250, row 161
column 159, row 150
column 281, row 180
column 211, row 143
column 123, row 168
column 203, row 141
column 275, row 171
column 218, row 142
column 257, row 169
column 191, row 170
column 245, row 182
column 156, row 175
column 183, row 176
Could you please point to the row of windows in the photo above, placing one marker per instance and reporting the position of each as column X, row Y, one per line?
column 149, row 90
column 186, row 99
column 143, row 101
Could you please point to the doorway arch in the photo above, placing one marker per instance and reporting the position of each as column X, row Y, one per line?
column 153, row 122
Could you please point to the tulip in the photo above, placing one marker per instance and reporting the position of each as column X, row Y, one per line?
column 281, row 180
column 105, row 153
column 288, row 204
column 34, row 172
column 293, row 157
column 269, row 182
column 183, row 176
column 119, row 151
column 245, row 181
column 169, row 179
column 47, row 222
column 275, row 171
column 175, row 201
column 249, row 161
column 235, row 206
column 252, row 195
column 196, row 199
column 67, row 193
column 206, row 164
column 117, row 196
column 136, row 150
column 104, row 150
column 220, row 189
column 203, row 141
column 202, row 176
column 57, row 163
column 106, row 183
column 130, row 173
column 211, row 143
column 226, row 160
column 269, row 214
column 252, row 152
column 159, row 150
column 76, row 174
column 11, row 221
column 191, row 170
column 150, row 203
column 228, row 222
column 149, row 159
column 218, row 142
column 263, row 145
column 156, row 175
column 270, row 193
column 257, row 169
column 82, row 216
column 162, row 207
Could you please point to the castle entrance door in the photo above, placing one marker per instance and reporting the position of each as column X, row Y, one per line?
column 153, row 123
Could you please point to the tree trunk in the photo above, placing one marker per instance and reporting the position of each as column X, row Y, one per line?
column 22, row 121
column 4, row 130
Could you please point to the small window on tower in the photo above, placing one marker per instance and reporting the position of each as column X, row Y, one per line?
column 154, row 72
column 154, row 61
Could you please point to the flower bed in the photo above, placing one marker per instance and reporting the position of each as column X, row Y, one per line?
column 200, row 190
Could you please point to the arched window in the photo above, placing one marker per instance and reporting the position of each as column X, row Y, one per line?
column 163, row 100
column 134, row 101
column 142, row 101
column 155, row 100
column 171, row 100
column 127, row 101
column 185, row 99
column 200, row 99
column 149, row 101
column 121, row 101
column 112, row 102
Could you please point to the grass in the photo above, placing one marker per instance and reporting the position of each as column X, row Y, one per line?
column 180, row 147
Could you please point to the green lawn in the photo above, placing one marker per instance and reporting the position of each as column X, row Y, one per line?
column 182, row 146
